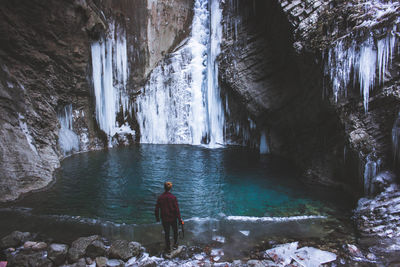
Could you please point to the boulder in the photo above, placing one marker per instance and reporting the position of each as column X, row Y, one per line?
column 29, row 244
column 174, row 253
column 101, row 262
column 29, row 258
column 115, row 263
column 78, row 247
column 57, row 253
column 96, row 249
column 122, row 249
column 39, row 246
column 382, row 181
column 80, row 263
column 14, row 239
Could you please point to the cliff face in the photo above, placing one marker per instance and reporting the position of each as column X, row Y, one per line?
column 275, row 60
column 280, row 90
column 46, row 66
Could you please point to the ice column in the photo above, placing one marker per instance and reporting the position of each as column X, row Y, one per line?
column 110, row 75
column 215, row 110
column 67, row 138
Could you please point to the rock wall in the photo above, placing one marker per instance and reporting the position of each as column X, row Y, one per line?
column 277, row 87
column 274, row 60
column 46, row 66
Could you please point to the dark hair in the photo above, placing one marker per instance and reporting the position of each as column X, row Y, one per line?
column 167, row 186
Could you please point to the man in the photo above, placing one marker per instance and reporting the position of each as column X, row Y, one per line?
column 170, row 214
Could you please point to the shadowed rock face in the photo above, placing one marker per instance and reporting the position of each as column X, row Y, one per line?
column 45, row 66
column 281, row 89
column 272, row 64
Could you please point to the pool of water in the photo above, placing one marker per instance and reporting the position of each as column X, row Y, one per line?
column 121, row 185
column 232, row 198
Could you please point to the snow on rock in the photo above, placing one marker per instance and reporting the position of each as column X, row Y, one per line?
column 282, row 254
column 312, row 257
column 285, row 254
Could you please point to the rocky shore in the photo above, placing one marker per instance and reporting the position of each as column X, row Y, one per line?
column 29, row 249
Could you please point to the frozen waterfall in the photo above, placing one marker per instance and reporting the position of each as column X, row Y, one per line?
column 110, row 75
column 68, row 140
column 181, row 103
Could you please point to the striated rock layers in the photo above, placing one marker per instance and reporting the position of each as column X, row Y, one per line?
column 291, row 64
column 45, row 67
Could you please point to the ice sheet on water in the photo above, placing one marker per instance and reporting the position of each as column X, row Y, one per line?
column 282, row 254
column 245, row 232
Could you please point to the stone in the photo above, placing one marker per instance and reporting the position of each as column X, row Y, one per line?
column 57, row 253
column 382, row 180
column 29, row 258
column 255, row 263
column 39, row 246
column 147, row 263
column 89, row 261
column 175, row 253
column 78, row 247
column 96, row 249
column 101, row 261
column 123, row 249
column 354, row 251
column 29, row 244
column 115, row 263
column 80, row 263
column 14, row 239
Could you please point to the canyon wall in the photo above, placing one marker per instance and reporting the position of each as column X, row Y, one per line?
column 276, row 63
column 45, row 75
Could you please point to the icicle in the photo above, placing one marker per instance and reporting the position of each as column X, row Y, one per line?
column 68, row 140
column 371, row 169
column 362, row 60
column 264, row 149
column 396, row 140
column 110, row 75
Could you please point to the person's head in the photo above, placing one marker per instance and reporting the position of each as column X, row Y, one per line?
column 167, row 186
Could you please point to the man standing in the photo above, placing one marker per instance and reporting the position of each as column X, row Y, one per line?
column 170, row 214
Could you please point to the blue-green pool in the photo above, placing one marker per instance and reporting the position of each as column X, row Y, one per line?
column 121, row 185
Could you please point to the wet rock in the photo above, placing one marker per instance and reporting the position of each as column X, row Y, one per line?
column 101, row 261
column 122, row 249
column 15, row 239
column 382, row 181
column 255, row 263
column 175, row 253
column 29, row 258
column 39, row 246
column 89, row 261
column 80, row 263
column 57, row 253
column 354, row 251
column 78, row 247
column 114, row 263
column 29, row 244
column 96, row 249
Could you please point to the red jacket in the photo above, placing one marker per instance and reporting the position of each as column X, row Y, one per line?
column 168, row 204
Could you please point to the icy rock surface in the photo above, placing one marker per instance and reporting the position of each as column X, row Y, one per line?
column 360, row 57
column 378, row 221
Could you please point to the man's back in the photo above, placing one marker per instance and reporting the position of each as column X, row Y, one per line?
column 168, row 204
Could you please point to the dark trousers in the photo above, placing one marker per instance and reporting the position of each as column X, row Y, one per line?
column 167, row 226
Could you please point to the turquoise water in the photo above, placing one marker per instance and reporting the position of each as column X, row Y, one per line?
column 121, row 185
